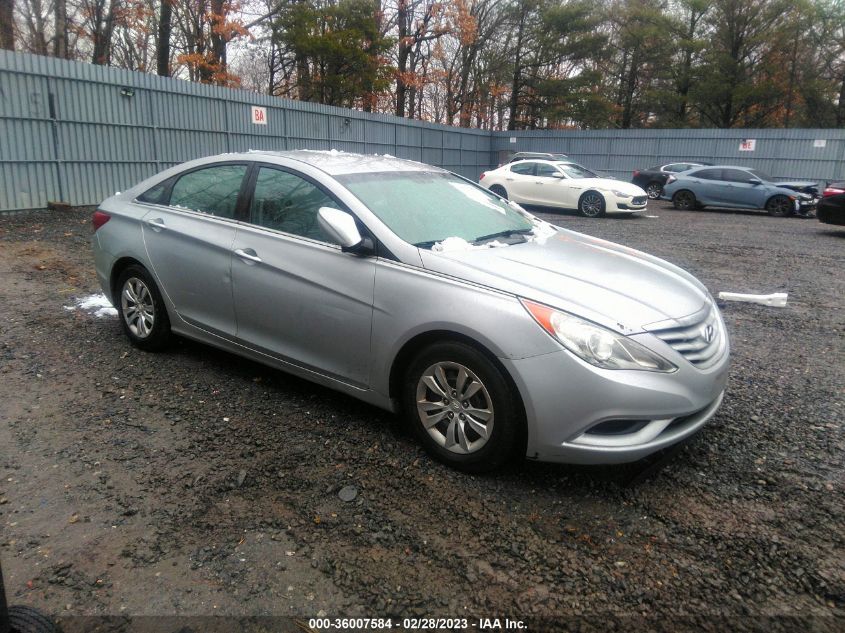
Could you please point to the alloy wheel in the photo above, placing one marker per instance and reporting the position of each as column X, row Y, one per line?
column 684, row 200
column 591, row 205
column 454, row 407
column 136, row 303
column 779, row 206
column 654, row 190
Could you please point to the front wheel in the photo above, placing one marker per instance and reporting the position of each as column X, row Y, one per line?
column 24, row 619
column 141, row 309
column 461, row 407
column 684, row 200
column 591, row 204
column 654, row 190
column 779, row 206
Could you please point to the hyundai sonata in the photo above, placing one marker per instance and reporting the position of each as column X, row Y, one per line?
column 404, row 285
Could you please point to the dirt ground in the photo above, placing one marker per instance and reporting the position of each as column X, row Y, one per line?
column 195, row 483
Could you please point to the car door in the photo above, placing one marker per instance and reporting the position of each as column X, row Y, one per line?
column 520, row 182
column 188, row 234
column 550, row 189
column 297, row 296
column 707, row 184
column 741, row 191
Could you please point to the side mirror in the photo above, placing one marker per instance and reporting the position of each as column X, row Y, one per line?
column 341, row 227
column 558, row 175
column 755, row 181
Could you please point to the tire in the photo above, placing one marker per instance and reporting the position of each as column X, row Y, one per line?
column 500, row 191
column 684, row 200
column 779, row 206
column 149, row 328
column 591, row 204
column 654, row 190
column 28, row 620
column 432, row 381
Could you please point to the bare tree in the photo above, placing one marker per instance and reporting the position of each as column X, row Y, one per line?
column 7, row 32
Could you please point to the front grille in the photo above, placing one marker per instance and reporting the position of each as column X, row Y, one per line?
column 639, row 200
column 690, row 337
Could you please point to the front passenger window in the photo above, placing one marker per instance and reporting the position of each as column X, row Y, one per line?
column 285, row 202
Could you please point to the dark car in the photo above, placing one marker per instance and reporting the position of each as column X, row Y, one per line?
column 831, row 209
column 834, row 188
column 653, row 178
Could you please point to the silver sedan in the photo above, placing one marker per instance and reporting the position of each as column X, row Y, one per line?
column 494, row 333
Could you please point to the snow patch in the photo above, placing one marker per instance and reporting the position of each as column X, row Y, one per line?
column 96, row 304
column 452, row 244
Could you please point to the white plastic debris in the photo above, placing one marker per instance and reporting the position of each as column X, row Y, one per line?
column 774, row 300
column 98, row 305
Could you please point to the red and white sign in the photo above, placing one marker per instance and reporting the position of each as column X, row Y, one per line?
column 747, row 145
column 259, row 115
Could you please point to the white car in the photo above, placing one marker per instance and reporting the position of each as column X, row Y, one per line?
column 568, row 185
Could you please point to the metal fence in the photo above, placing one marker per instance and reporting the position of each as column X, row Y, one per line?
column 806, row 154
column 77, row 133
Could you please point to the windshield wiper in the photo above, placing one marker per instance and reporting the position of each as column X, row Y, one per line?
column 427, row 244
column 505, row 233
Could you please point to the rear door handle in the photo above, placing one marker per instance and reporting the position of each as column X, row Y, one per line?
column 509, row 179
column 157, row 224
column 248, row 254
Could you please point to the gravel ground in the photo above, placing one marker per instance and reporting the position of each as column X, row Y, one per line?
column 195, row 483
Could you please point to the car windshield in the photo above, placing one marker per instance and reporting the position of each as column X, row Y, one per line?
column 761, row 175
column 424, row 208
column 576, row 171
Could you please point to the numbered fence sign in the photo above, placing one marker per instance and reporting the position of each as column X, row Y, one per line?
column 259, row 115
column 747, row 145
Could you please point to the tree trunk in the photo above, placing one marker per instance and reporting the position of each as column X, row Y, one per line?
column 165, row 18
column 840, row 111
column 103, row 30
column 60, row 43
column 402, row 56
column 218, row 40
column 516, row 83
column 7, row 31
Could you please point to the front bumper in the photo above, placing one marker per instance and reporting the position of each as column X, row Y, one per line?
column 625, row 205
column 567, row 401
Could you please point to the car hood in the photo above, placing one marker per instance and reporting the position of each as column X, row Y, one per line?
column 802, row 186
column 613, row 285
column 605, row 184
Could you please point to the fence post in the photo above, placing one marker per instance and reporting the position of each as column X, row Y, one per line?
column 57, row 151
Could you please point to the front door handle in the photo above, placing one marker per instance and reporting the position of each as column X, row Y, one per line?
column 157, row 224
column 509, row 179
column 248, row 254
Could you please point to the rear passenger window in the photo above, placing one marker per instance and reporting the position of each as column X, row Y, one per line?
column 708, row 174
column 285, row 202
column 212, row 190
column 526, row 169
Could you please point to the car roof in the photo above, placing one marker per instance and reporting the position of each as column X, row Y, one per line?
column 336, row 163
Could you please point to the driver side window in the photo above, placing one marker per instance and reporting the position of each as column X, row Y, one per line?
column 546, row 171
column 288, row 203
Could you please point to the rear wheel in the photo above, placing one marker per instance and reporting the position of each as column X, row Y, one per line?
column 461, row 407
column 141, row 308
column 779, row 206
column 684, row 200
column 654, row 190
column 499, row 190
column 591, row 204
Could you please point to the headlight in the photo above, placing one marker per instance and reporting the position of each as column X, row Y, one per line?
column 621, row 194
column 596, row 345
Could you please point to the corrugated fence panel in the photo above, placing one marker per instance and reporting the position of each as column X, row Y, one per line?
column 76, row 132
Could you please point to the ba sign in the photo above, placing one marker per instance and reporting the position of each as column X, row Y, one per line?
column 259, row 115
